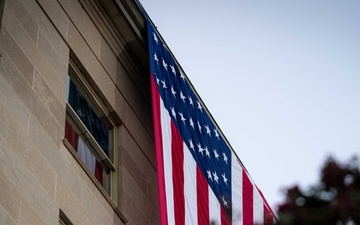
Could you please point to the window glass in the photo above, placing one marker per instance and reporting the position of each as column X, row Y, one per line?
column 87, row 115
column 87, row 131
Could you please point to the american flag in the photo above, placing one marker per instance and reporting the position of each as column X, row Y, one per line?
column 200, row 179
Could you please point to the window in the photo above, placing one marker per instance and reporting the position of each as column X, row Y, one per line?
column 88, row 129
column 63, row 220
column 2, row 4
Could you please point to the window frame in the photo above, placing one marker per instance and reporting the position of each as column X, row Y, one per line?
column 87, row 137
column 90, row 92
column 63, row 219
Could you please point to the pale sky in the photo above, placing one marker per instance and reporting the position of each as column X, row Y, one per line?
column 280, row 78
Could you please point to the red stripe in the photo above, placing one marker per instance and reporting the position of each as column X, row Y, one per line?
column 202, row 190
column 248, row 201
column 71, row 135
column 159, row 152
column 268, row 217
column 224, row 218
column 178, row 175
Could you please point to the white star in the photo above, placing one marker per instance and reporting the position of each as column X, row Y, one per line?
column 216, row 154
column 201, row 150
column 156, row 58
column 191, row 101
column 191, row 144
column 199, row 106
column 216, row 178
column 199, row 126
column 157, row 80
column 155, row 38
column 173, row 69
column 182, row 118
column 173, row 112
column 173, row 91
column 164, row 64
column 225, row 202
column 209, row 175
column 164, row 84
column 207, row 152
column 216, row 133
column 191, row 123
column 225, row 158
column 182, row 96
column 208, row 130
column 225, row 179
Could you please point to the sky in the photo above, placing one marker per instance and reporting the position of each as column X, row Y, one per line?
column 281, row 79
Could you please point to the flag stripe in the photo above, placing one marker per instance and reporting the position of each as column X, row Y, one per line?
column 159, row 152
column 165, row 127
column 258, row 207
column 214, row 208
column 268, row 217
column 190, row 188
column 224, row 218
column 237, row 195
column 247, row 200
column 178, row 175
column 202, row 198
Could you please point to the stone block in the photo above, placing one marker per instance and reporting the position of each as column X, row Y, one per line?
column 108, row 59
column 103, row 202
column 14, row 115
column 21, row 88
column 132, row 210
column 53, row 128
column 102, row 215
column 5, row 217
column 24, row 18
column 134, row 193
column 9, row 196
column 83, row 24
column 55, row 82
column 57, row 16
column 27, row 184
column 17, row 56
column 132, row 154
column 58, row 59
column 40, row 168
column 87, row 199
column 70, row 205
column 45, row 25
column 49, row 100
column 28, row 215
column 138, row 131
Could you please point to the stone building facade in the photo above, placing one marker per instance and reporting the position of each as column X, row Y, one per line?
column 76, row 143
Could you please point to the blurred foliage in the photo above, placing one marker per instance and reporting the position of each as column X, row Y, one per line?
column 335, row 200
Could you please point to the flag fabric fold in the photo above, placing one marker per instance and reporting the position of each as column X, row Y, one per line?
column 200, row 179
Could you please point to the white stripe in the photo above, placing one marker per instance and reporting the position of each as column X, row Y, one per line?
column 190, row 188
column 214, row 208
column 236, row 191
column 86, row 156
column 166, row 138
column 258, row 207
